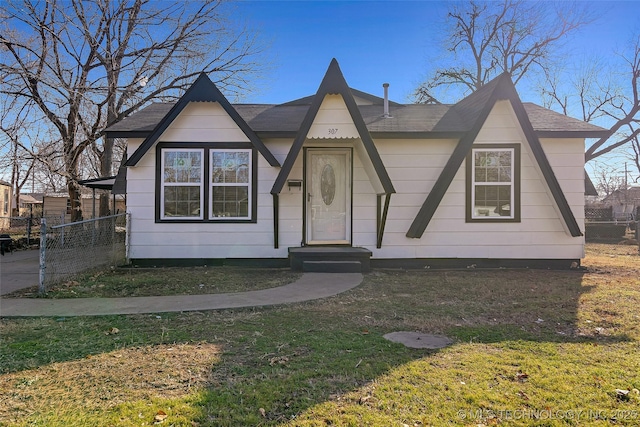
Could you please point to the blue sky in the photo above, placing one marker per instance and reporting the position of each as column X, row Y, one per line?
column 382, row 41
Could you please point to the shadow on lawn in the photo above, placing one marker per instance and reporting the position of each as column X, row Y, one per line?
column 300, row 357
column 281, row 361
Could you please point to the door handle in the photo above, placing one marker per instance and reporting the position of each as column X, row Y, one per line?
column 308, row 197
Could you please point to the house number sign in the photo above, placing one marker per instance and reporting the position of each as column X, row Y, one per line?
column 328, row 184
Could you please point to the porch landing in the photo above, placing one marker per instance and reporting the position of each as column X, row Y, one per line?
column 330, row 259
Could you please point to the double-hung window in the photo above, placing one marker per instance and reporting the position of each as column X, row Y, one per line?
column 493, row 183
column 182, row 189
column 201, row 183
column 230, row 184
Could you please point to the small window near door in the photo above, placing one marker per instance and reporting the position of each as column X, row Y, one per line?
column 493, row 183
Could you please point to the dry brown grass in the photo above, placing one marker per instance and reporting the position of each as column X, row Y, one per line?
column 106, row 380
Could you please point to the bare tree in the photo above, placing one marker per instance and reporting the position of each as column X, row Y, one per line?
column 607, row 94
column 86, row 64
column 488, row 38
column 17, row 157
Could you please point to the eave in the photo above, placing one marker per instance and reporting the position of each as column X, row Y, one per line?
column 202, row 90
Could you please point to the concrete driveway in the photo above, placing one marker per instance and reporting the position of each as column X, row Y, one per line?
column 19, row 270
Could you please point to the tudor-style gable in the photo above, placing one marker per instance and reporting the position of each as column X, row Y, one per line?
column 476, row 109
column 202, row 90
column 330, row 101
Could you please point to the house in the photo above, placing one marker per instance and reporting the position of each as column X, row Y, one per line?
column 56, row 207
column 5, row 204
column 624, row 203
column 30, row 204
column 343, row 175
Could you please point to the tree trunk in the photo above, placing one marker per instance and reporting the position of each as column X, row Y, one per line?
column 106, row 162
column 74, row 196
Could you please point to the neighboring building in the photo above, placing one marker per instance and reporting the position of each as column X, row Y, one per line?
column 57, row 206
column 30, row 204
column 624, row 203
column 489, row 181
column 5, row 204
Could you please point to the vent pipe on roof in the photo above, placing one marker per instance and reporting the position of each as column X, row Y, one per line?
column 386, row 114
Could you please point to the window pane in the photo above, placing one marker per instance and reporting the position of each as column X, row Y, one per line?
column 230, row 167
column 182, row 166
column 492, row 200
column 492, row 174
column 505, row 158
column 182, row 201
column 230, row 201
column 504, row 174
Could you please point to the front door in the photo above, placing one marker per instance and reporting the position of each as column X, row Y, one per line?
column 328, row 198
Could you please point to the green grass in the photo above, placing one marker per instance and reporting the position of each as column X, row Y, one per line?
column 530, row 346
column 132, row 282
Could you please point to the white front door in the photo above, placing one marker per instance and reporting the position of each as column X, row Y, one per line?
column 328, row 198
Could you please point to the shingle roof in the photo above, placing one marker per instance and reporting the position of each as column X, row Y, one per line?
column 202, row 90
column 426, row 120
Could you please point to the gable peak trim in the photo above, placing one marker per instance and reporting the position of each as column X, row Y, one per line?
column 202, row 90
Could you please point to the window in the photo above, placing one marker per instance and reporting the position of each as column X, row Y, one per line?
column 6, row 202
column 493, row 183
column 230, row 188
column 182, row 189
column 206, row 184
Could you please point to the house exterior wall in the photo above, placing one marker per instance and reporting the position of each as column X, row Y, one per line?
column 540, row 233
column 204, row 122
column 55, row 207
column 5, row 205
column 413, row 165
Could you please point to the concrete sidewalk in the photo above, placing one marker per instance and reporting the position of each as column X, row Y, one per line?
column 309, row 287
column 18, row 270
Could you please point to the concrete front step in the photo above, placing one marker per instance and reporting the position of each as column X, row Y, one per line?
column 343, row 259
column 332, row 266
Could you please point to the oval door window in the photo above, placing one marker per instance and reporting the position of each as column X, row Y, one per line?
column 328, row 184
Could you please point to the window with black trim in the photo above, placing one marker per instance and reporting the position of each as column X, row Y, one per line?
column 206, row 184
column 493, row 183
column 181, row 188
column 230, row 184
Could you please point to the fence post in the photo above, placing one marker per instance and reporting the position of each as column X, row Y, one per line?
column 62, row 231
column 43, row 252
column 29, row 219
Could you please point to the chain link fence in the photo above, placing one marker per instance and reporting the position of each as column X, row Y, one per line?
column 25, row 231
column 69, row 249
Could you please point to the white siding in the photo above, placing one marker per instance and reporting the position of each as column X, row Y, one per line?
column 413, row 166
column 207, row 122
column 333, row 120
column 203, row 122
column 539, row 234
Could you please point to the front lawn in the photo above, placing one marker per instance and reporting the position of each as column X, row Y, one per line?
column 532, row 347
